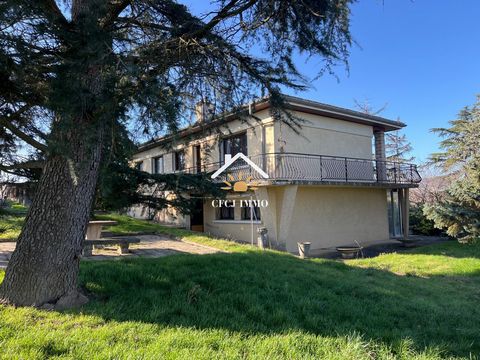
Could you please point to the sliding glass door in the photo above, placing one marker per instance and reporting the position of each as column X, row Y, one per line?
column 394, row 214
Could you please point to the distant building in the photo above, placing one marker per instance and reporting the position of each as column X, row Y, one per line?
column 17, row 192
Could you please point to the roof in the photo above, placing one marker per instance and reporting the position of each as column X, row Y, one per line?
column 337, row 112
column 292, row 103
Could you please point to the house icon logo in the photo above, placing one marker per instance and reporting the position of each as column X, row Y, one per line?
column 241, row 185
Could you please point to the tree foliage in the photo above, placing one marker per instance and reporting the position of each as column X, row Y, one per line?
column 397, row 147
column 81, row 79
column 155, row 59
column 121, row 185
column 459, row 210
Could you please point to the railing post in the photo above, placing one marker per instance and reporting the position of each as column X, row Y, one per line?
column 321, row 168
column 395, row 172
column 346, row 169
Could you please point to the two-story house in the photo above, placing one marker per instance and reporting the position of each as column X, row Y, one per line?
column 328, row 183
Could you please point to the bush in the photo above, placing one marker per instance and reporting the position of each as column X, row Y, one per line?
column 420, row 225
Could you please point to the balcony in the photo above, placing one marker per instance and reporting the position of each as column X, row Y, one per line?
column 308, row 168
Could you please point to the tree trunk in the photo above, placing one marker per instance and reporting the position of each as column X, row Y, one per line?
column 44, row 266
column 43, row 270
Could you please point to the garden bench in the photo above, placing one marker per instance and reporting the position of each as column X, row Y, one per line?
column 123, row 244
column 94, row 228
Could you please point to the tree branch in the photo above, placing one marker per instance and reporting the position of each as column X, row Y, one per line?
column 5, row 170
column 20, row 134
column 16, row 169
column 33, row 164
column 226, row 12
column 52, row 9
column 115, row 11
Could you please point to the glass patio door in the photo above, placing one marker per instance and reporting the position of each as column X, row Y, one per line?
column 394, row 214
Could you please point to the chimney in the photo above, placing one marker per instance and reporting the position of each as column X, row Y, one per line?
column 204, row 111
column 228, row 158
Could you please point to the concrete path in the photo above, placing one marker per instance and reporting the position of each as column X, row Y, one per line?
column 150, row 246
column 6, row 250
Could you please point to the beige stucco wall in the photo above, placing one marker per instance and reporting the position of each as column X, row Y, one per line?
column 318, row 135
column 237, row 229
column 332, row 216
column 210, row 143
column 169, row 216
column 325, row 136
column 325, row 216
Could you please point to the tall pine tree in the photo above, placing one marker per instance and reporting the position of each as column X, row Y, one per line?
column 459, row 210
column 74, row 75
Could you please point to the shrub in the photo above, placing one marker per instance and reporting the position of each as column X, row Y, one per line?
column 420, row 224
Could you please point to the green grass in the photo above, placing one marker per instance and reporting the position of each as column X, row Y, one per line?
column 11, row 221
column 130, row 226
column 265, row 305
column 447, row 259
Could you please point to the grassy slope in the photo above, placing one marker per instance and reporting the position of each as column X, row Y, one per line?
column 130, row 226
column 11, row 221
column 447, row 259
column 254, row 304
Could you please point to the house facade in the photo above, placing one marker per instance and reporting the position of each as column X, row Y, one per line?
column 18, row 192
column 328, row 182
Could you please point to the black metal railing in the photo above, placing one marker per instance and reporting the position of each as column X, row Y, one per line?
column 316, row 168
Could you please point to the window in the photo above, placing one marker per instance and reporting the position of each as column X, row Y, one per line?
column 139, row 165
column 246, row 213
column 394, row 214
column 233, row 145
column 225, row 213
column 179, row 160
column 158, row 165
column 197, row 157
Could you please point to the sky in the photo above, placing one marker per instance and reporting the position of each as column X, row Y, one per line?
column 421, row 58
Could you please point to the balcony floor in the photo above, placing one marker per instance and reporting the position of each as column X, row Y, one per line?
column 384, row 185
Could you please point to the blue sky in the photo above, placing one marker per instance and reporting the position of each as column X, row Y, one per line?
column 420, row 57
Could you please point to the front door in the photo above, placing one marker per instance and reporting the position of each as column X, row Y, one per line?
column 196, row 218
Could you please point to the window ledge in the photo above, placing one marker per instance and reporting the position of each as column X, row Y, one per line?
column 237, row 222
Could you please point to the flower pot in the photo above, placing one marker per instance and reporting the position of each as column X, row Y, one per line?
column 304, row 249
column 262, row 238
column 349, row 252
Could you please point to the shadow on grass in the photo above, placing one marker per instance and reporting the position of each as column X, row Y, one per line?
column 267, row 293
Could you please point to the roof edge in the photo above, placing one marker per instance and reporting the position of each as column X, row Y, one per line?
column 293, row 103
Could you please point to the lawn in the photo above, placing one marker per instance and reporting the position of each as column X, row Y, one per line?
column 11, row 221
column 420, row 304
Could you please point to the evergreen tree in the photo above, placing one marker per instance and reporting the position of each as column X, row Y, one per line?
column 397, row 147
column 459, row 210
column 76, row 75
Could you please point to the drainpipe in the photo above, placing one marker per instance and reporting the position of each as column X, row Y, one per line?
column 405, row 206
